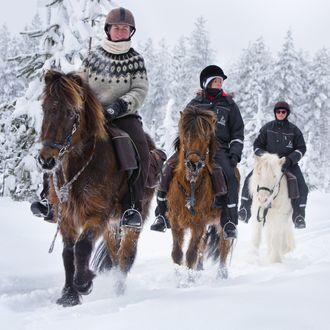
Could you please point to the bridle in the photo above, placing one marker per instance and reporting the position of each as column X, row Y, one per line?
column 193, row 169
column 277, row 187
column 67, row 141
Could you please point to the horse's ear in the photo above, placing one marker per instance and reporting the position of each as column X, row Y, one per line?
column 77, row 79
column 49, row 76
column 180, row 114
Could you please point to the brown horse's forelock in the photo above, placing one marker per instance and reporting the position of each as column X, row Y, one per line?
column 197, row 124
column 78, row 98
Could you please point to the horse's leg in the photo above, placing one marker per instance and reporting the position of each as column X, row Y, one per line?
column 70, row 296
column 83, row 277
column 224, row 249
column 177, row 254
column 126, row 256
column 194, row 246
column 112, row 237
column 128, row 248
column 256, row 233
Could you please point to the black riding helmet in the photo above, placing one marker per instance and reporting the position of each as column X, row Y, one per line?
column 210, row 71
column 282, row 105
column 120, row 16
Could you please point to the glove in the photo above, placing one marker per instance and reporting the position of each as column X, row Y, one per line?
column 116, row 109
column 286, row 165
column 233, row 160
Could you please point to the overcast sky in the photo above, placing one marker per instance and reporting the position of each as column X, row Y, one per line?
column 232, row 23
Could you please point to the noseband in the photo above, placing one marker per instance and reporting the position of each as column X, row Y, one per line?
column 271, row 191
column 191, row 166
column 68, row 140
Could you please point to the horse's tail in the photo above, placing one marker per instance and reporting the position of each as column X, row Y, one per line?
column 212, row 243
column 101, row 261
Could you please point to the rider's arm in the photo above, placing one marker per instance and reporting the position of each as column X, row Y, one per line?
column 299, row 146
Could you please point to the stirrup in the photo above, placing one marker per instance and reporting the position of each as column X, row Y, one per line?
column 160, row 224
column 232, row 233
column 131, row 218
column 37, row 211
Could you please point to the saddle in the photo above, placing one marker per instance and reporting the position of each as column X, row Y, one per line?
column 293, row 188
column 129, row 159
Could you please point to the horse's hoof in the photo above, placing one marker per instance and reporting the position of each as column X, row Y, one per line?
column 70, row 297
column 85, row 288
column 222, row 273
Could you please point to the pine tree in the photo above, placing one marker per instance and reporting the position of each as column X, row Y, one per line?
column 200, row 53
column 249, row 80
column 317, row 156
column 63, row 43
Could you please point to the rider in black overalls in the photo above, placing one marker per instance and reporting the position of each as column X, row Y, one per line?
column 286, row 140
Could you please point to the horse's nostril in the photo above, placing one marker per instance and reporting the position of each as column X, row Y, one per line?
column 48, row 163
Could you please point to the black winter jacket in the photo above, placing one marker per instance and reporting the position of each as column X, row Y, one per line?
column 230, row 126
column 282, row 138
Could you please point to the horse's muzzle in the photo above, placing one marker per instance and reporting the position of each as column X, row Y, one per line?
column 47, row 163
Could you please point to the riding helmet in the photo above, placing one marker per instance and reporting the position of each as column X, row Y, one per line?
column 210, row 71
column 120, row 16
column 282, row 105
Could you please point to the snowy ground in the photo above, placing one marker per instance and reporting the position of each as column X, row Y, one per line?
column 257, row 295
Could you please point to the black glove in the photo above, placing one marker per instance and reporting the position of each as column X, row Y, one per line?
column 286, row 165
column 116, row 109
column 233, row 159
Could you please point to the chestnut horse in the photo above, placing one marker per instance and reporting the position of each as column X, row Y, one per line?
column 86, row 186
column 190, row 195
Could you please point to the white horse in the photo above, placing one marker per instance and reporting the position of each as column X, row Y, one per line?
column 271, row 207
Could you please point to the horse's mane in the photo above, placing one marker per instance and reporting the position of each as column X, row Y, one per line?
column 197, row 123
column 72, row 91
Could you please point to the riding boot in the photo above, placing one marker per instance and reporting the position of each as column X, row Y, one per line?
column 43, row 208
column 244, row 213
column 161, row 222
column 131, row 218
column 228, row 222
column 298, row 218
column 219, row 186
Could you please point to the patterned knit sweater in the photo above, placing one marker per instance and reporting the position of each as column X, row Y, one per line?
column 115, row 70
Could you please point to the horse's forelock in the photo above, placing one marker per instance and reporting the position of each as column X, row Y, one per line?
column 65, row 89
column 70, row 89
column 197, row 123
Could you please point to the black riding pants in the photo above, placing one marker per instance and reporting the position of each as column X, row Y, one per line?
column 133, row 127
column 231, row 199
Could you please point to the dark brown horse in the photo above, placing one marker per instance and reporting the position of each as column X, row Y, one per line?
column 190, row 195
column 86, row 186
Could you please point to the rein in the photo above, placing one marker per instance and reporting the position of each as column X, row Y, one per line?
column 63, row 192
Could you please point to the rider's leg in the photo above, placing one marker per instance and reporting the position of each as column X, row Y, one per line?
column 299, row 204
column 244, row 213
column 219, row 186
column 161, row 222
column 132, row 211
column 229, row 217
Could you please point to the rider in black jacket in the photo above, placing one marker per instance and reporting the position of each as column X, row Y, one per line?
column 230, row 132
column 286, row 140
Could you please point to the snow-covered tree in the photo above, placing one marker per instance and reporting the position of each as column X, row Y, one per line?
column 64, row 42
column 249, row 80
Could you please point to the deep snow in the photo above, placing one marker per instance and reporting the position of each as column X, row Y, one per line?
column 257, row 295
